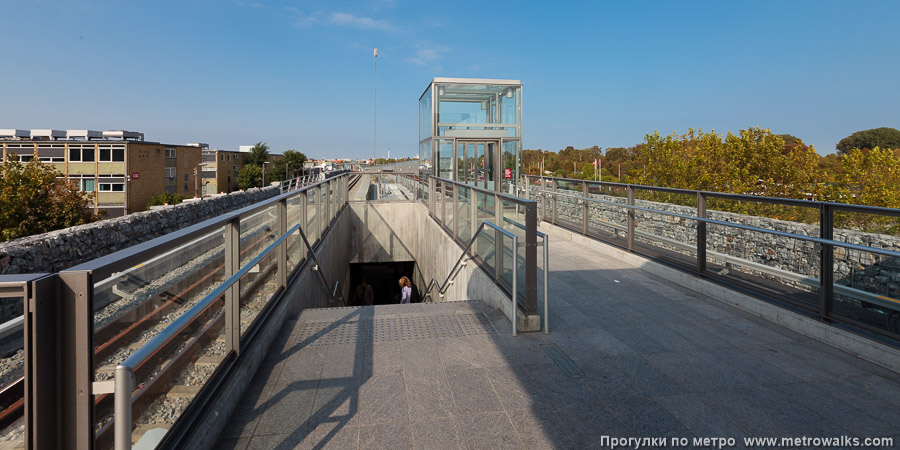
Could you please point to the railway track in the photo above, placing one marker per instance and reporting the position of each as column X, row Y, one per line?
column 135, row 324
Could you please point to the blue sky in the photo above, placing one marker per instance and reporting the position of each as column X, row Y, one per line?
column 300, row 74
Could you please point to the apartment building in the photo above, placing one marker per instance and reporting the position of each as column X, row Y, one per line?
column 221, row 168
column 123, row 169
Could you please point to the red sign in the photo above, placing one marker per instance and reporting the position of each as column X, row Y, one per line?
column 135, row 175
column 507, row 173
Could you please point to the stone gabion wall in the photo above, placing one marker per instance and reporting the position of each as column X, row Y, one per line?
column 61, row 249
column 861, row 270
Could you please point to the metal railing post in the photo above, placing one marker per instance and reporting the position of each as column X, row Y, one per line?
column 826, row 261
column 584, row 217
column 498, row 239
column 75, row 404
column 630, row 191
column 531, row 305
column 473, row 212
column 455, row 225
column 701, row 233
column 233, row 294
column 431, row 188
column 327, row 206
column 124, row 382
column 546, row 286
column 282, row 227
column 555, row 200
column 515, row 288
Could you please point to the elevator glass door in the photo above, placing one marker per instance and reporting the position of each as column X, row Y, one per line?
column 477, row 163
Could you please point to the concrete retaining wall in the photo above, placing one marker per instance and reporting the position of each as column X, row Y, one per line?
column 61, row 249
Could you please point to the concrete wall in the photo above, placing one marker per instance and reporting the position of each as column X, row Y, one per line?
column 61, row 249
column 396, row 231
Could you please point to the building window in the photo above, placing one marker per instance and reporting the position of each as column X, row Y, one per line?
column 86, row 185
column 185, row 187
column 185, row 177
column 81, row 154
column 170, row 172
column 170, row 153
column 112, row 187
column 112, row 154
column 229, row 158
column 222, row 158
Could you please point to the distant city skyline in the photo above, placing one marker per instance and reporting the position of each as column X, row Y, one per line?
column 299, row 75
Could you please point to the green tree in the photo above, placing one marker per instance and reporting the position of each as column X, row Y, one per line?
column 587, row 171
column 289, row 166
column 33, row 200
column 250, row 176
column 259, row 154
column 883, row 137
column 869, row 178
column 166, row 198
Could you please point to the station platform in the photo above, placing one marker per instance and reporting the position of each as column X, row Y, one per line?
column 629, row 355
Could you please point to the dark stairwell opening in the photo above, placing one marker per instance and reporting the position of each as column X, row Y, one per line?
column 384, row 279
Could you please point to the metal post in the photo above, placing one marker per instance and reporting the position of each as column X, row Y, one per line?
column 473, row 212
column 498, row 239
column 431, row 189
column 826, row 258
column 45, row 397
column 701, row 234
column 454, row 226
column 75, row 404
column 233, row 295
column 515, row 289
column 124, row 379
column 546, row 286
column 555, row 200
column 327, row 206
column 630, row 191
column 282, row 227
column 584, row 202
column 531, row 306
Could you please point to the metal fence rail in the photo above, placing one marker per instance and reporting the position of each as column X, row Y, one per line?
column 553, row 200
column 227, row 270
column 459, row 208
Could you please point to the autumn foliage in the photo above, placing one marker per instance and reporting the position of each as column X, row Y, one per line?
column 33, row 200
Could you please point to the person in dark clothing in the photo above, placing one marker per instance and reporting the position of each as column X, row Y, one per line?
column 364, row 293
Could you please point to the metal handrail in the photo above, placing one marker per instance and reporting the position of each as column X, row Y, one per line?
column 124, row 374
column 729, row 196
column 104, row 266
column 800, row 237
column 442, row 287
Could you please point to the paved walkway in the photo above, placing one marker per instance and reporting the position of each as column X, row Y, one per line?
column 651, row 359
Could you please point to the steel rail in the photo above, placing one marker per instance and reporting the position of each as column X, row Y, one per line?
column 801, row 237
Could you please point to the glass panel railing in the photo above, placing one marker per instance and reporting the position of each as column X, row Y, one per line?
column 12, row 367
column 866, row 289
column 312, row 218
column 167, row 383
column 449, row 207
column 133, row 306
column 258, row 230
column 464, row 213
column 258, row 287
column 607, row 221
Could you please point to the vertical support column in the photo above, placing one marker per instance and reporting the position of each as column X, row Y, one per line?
column 442, row 185
column 282, row 248
column 233, row 294
column 546, row 285
column 75, row 403
column 124, row 382
column 701, row 234
column 515, row 289
column 584, row 209
column 826, row 261
column 327, row 214
column 531, row 305
column 319, row 213
column 630, row 191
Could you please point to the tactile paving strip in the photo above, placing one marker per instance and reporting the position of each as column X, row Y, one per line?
column 567, row 365
column 388, row 329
